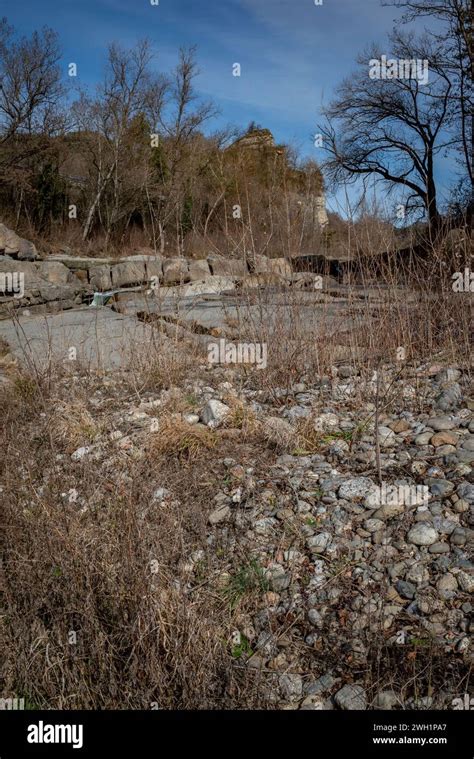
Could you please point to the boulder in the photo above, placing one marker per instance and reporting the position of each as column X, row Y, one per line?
column 26, row 250
column 131, row 272
column 28, row 268
column 144, row 252
column 307, row 280
column 3, row 236
column 259, row 265
column 9, row 240
column 82, row 275
column 154, row 268
column 50, row 293
column 81, row 262
column 199, row 270
column 209, row 286
column 100, row 278
column 103, row 338
column 143, row 257
column 227, row 267
column 54, row 272
column 13, row 244
column 31, row 276
column 175, row 271
column 280, row 266
column 264, row 279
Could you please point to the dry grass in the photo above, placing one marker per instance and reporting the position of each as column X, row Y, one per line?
column 177, row 438
column 168, row 369
column 309, row 439
column 241, row 417
column 278, row 436
column 72, row 425
column 99, row 611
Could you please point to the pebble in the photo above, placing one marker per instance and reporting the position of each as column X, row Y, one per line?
column 450, row 374
column 79, row 453
column 424, row 438
column 439, row 487
column 418, row 573
column 315, row 617
column 279, row 580
column 386, row 437
column 319, row 543
column 406, row 589
column 465, row 582
column 323, row 684
column 443, row 438
column 214, row 413
column 458, row 537
column 387, row 699
column 461, row 506
column 466, row 491
column 422, row 535
column 355, row 488
column 191, row 418
column 439, row 547
column 447, row 585
column 313, row 703
column 336, row 556
column 450, row 398
column 291, row 686
column 351, row 697
column 441, row 423
column 401, row 425
column 220, row 514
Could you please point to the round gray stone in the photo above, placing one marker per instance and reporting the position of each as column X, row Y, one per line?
column 422, row 534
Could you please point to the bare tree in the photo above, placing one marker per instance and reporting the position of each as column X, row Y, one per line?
column 127, row 92
column 391, row 128
column 30, row 111
column 455, row 43
column 30, row 82
column 181, row 121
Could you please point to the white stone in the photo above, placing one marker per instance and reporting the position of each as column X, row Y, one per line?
column 214, row 413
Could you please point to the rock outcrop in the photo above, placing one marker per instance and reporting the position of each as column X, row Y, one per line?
column 63, row 281
column 15, row 246
column 261, row 142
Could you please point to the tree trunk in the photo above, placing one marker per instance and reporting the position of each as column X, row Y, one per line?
column 431, row 201
column 95, row 203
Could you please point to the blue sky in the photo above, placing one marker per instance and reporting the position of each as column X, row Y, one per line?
column 292, row 52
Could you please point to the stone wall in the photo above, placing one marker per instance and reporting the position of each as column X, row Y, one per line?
column 104, row 274
column 63, row 281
